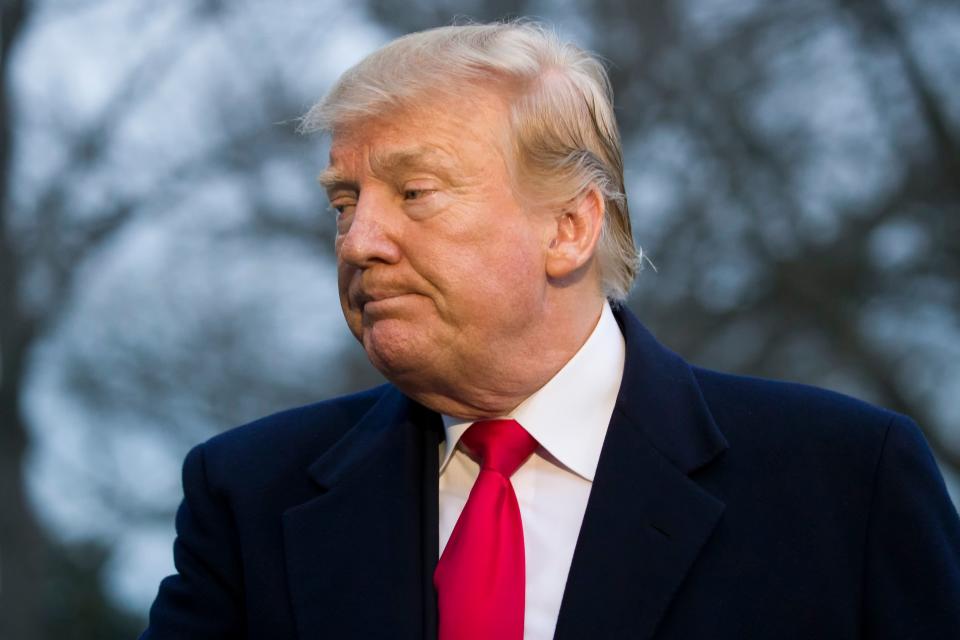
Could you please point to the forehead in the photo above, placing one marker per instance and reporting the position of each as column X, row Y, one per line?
column 436, row 130
column 391, row 154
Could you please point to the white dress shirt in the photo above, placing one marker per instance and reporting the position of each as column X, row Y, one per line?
column 568, row 416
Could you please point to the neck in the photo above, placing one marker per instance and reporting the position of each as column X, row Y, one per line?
column 505, row 375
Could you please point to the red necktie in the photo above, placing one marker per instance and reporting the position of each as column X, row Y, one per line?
column 480, row 578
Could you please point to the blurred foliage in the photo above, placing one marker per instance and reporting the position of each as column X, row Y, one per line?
column 793, row 170
column 76, row 606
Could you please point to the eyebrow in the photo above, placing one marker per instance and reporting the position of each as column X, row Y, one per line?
column 422, row 157
column 331, row 179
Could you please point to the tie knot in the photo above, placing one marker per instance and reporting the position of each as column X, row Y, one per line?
column 502, row 445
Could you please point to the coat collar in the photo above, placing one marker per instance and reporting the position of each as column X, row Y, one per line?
column 646, row 520
column 360, row 556
column 661, row 399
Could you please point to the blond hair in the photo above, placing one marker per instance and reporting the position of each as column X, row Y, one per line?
column 565, row 136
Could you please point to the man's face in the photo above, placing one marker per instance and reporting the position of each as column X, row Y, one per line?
column 441, row 269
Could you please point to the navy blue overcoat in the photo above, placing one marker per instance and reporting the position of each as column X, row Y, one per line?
column 723, row 507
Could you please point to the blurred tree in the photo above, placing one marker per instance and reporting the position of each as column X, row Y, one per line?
column 794, row 171
column 22, row 548
column 83, row 612
column 174, row 130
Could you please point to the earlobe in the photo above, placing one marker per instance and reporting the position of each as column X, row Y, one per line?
column 575, row 234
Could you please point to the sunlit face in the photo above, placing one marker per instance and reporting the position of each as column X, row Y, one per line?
column 441, row 269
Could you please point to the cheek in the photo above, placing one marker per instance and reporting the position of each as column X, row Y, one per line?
column 516, row 252
column 481, row 256
column 346, row 274
column 352, row 316
column 505, row 272
column 343, row 278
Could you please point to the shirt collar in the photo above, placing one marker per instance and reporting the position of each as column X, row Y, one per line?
column 570, row 414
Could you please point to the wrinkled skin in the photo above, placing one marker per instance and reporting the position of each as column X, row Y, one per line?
column 444, row 274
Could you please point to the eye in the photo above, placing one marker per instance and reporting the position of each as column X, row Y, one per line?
column 418, row 196
column 342, row 205
column 342, row 200
column 342, row 211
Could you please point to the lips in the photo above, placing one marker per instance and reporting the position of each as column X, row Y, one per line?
column 375, row 285
column 363, row 296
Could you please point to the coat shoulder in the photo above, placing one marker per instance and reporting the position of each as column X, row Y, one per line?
column 276, row 445
column 795, row 435
column 758, row 407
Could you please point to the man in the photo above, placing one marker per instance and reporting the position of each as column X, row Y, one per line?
column 539, row 465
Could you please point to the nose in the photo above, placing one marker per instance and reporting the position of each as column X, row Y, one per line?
column 370, row 237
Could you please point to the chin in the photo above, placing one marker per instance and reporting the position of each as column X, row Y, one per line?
column 397, row 348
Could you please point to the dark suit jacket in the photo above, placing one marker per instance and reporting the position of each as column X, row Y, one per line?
column 722, row 507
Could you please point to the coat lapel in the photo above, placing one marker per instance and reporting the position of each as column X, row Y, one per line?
column 360, row 555
column 646, row 520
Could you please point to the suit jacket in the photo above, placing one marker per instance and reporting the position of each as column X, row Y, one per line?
column 722, row 507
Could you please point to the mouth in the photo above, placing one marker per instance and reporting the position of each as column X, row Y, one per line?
column 369, row 300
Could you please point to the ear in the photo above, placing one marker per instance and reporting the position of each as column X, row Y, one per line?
column 573, row 239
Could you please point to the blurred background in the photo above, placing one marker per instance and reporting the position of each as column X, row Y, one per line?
column 166, row 271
